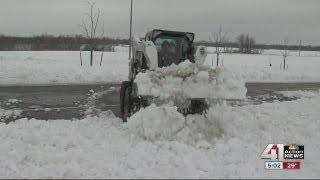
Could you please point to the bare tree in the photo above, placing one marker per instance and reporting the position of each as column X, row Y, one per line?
column 82, row 48
column 241, row 42
column 219, row 41
column 285, row 52
column 90, row 26
column 246, row 43
column 251, row 42
column 227, row 48
column 80, row 58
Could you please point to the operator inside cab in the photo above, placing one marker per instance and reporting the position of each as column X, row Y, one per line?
column 171, row 49
column 166, row 55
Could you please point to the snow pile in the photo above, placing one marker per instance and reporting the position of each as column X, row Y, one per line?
column 153, row 122
column 61, row 148
column 7, row 114
column 205, row 128
column 189, row 80
column 13, row 101
column 93, row 103
column 176, row 83
column 300, row 94
column 165, row 123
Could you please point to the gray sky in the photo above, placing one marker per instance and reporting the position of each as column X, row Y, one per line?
column 270, row 21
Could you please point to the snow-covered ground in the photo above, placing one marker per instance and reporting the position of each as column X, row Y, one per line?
column 257, row 67
column 158, row 142
column 292, row 53
column 63, row 67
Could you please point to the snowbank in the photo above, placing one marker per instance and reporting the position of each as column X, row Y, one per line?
column 8, row 114
column 157, row 123
column 300, row 94
column 188, row 80
column 165, row 123
column 103, row 147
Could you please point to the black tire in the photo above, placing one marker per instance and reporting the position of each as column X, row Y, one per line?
column 125, row 100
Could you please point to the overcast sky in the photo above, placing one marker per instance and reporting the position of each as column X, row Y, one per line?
column 270, row 21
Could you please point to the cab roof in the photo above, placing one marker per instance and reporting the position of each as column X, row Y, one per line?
column 152, row 35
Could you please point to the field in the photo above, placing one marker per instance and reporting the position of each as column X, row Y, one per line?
column 63, row 67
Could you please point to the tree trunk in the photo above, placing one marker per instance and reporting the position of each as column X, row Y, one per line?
column 80, row 59
column 217, row 59
column 91, row 57
column 284, row 63
column 101, row 58
column 212, row 61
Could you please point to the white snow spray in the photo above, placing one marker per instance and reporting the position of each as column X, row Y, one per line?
column 166, row 123
column 178, row 82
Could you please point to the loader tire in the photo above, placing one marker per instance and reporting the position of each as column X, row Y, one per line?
column 125, row 100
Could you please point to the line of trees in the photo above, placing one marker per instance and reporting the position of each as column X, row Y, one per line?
column 49, row 42
column 73, row 43
column 234, row 44
column 246, row 43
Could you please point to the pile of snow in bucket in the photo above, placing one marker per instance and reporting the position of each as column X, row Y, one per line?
column 189, row 80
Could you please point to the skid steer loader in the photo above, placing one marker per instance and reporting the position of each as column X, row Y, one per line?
column 149, row 54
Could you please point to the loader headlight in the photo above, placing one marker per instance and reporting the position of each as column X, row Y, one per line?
column 190, row 36
column 202, row 51
column 201, row 54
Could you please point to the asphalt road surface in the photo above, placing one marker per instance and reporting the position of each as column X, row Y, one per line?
column 73, row 101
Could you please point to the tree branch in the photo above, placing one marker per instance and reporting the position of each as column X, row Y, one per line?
column 96, row 22
column 85, row 28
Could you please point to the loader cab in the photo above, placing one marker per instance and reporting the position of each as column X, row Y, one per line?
column 172, row 46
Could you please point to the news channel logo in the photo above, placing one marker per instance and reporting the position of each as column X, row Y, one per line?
column 282, row 156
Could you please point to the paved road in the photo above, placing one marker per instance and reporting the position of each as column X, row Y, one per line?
column 72, row 101
column 261, row 87
column 59, row 101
